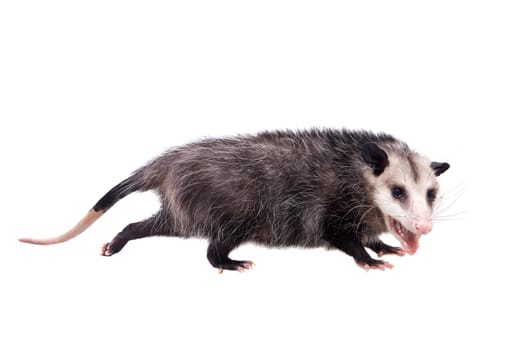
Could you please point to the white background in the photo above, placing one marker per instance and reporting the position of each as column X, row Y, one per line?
column 89, row 91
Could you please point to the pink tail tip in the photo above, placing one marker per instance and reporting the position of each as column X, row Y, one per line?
column 30, row 241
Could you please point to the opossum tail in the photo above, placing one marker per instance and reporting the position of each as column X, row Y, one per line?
column 130, row 185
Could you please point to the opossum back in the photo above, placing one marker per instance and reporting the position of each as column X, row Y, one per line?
column 272, row 190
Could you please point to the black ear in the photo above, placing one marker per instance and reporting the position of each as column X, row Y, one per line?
column 374, row 157
column 439, row 168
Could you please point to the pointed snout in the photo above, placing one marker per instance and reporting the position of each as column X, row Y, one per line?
column 422, row 227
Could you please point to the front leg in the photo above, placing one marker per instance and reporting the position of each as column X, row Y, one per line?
column 351, row 245
column 381, row 248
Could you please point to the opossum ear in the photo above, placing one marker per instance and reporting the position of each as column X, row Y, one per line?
column 374, row 157
column 439, row 168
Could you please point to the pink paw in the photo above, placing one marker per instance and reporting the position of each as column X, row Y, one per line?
column 106, row 250
column 383, row 265
column 245, row 266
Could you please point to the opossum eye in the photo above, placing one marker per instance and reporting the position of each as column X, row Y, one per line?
column 431, row 195
column 398, row 192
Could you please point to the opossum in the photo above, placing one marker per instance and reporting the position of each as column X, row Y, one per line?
column 334, row 188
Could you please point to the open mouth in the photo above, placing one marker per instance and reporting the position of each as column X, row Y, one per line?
column 408, row 239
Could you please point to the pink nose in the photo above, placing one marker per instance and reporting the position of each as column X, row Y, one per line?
column 422, row 227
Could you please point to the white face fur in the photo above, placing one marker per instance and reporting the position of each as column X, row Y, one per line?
column 406, row 191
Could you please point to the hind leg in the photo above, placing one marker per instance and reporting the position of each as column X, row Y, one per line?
column 218, row 257
column 157, row 225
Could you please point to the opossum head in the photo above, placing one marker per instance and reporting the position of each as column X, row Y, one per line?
column 405, row 189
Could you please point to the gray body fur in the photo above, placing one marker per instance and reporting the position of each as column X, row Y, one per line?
column 275, row 188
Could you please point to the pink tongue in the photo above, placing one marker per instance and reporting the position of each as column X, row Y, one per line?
column 411, row 243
